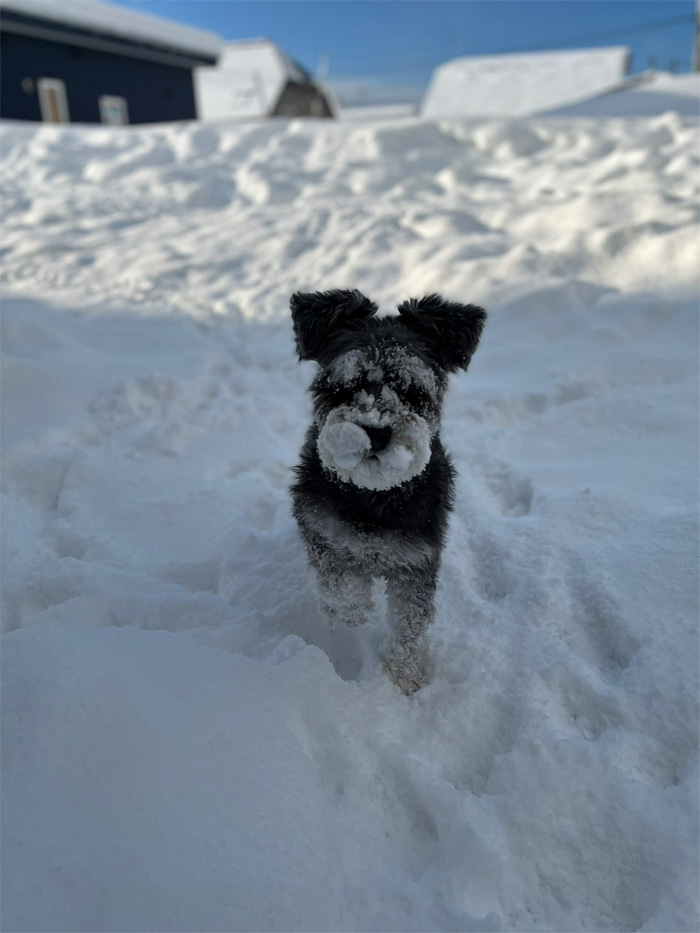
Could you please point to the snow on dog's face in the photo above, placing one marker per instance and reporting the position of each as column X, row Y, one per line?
column 377, row 410
column 378, row 395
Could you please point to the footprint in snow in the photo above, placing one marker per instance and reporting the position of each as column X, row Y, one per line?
column 511, row 491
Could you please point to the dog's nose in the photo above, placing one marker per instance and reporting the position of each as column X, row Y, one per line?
column 379, row 438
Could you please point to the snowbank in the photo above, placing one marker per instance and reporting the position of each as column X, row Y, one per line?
column 651, row 96
column 185, row 745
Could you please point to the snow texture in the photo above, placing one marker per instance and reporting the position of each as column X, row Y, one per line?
column 523, row 83
column 110, row 19
column 186, row 746
column 649, row 96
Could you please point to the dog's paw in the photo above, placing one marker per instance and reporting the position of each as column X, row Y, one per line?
column 407, row 666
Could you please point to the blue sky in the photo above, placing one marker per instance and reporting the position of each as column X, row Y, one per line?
column 387, row 49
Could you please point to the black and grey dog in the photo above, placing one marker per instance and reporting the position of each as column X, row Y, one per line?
column 375, row 487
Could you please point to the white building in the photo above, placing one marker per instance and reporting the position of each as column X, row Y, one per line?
column 521, row 84
column 257, row 79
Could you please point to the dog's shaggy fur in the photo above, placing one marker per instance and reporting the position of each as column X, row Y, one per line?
column 374, row 487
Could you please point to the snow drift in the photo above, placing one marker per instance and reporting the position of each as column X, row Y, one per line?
column 185, row 744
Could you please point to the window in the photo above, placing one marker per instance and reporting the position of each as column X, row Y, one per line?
column 113, row 111
column 53, row 101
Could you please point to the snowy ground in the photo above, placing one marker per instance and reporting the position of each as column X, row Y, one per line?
column 645, row 95
column 185, row 745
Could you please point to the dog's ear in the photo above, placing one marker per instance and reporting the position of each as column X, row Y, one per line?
column 318, row 315
column 450, row 331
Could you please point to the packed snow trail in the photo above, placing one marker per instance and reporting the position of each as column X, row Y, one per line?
column 186, row 746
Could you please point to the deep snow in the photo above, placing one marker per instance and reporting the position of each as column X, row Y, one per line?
column 185, row 744
column 646, row 95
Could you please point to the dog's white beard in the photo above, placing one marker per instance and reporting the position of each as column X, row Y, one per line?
column 345, row 448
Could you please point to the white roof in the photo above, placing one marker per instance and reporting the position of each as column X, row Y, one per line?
column 247, row 82
column 521, row 84
column 118, row 21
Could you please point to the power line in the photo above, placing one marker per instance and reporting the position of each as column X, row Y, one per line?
column 621, row 32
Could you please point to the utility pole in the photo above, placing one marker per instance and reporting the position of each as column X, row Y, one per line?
column 324, row 64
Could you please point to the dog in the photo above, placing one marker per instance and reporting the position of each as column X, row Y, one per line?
column 374, row 486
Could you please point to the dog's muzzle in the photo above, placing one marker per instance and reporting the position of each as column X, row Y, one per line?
column 374, row 444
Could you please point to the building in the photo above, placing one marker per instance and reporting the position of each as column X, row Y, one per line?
column 257, row 79
column 91, row 62
column 522, row 84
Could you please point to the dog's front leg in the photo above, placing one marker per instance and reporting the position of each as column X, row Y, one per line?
column 345, row 590
column 411, row 596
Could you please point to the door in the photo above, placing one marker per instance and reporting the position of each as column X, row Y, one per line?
column 53, row 100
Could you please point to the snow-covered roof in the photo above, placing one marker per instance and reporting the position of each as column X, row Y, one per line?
column 247, row 82
column 521, row 84
column 107, row 19
column 233, row 52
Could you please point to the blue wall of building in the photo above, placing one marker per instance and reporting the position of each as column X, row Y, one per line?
column 154, row 92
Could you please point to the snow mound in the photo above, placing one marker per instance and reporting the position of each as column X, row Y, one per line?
column 653, row 95
column 186, row 746
column 220, row 221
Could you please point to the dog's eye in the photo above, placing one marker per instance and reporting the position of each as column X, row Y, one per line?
column 346, row 370
column 413, row 395
column 411, row 373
